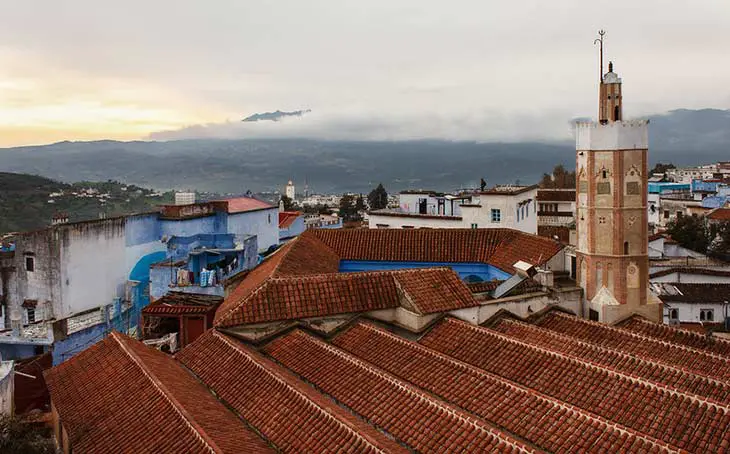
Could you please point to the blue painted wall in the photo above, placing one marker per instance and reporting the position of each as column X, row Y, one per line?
column 18, row 351
column 262, row 223
column 141, row 229
column 473, row 272
column 661, row 188
column 78, row 342
column 189, row 227
column 295, row 229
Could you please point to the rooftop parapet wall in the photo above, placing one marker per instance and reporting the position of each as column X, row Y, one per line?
column 620, row 135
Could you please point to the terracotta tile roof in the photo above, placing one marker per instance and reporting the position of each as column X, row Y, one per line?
column 242, row 204
column 719, row 214
column 498, row 247
column 178, row 303
column 556, row 195
column 680, row 420
column 541, row 420
column 387, row 402
column 698, row 293
column 424, row 291
column 287, row 218
column 689, row 270
column 432, row 290
column 662, row 374
column 695, row 360
column 527, row 286
column 665, row 333
column 290, row 414
column 317, row 254
column 121, row 396
column 552, row 231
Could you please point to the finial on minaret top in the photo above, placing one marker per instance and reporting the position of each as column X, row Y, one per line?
column 599, row 41
column 610, row 66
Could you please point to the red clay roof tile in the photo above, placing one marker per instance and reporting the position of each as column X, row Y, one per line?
column 108, row 395
column 289, row 413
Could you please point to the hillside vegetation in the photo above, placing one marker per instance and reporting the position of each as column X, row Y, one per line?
column 29, row 202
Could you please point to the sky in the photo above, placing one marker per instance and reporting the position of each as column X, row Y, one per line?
column 377, row 69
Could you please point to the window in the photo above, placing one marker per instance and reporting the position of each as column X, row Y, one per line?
column 604, row 173
column 407, row 227
column 269, row 218
column 673, row 314
column 29, row 264
column 474, row 226
column 666, row 214
column 30, row 315
column 679, row 214
column 707, row 315
column 626, row 248
column 496, row 215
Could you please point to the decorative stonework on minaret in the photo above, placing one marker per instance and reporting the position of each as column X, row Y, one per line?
column 611, row 217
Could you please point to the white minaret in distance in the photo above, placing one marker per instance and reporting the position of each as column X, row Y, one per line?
column 611, row 217
column 290, row 190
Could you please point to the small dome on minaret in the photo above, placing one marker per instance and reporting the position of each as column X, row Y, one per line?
column 611, row 77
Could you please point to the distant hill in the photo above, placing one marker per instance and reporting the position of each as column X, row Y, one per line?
column 28, row 202
column 683, row 137
column 275, row 116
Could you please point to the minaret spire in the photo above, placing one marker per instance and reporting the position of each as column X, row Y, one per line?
column 599, row 41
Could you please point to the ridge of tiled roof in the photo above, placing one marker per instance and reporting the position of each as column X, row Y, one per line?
column 682, row 421
column 498, row 247
column 691, row 339
column 287, row 218
column 563, row 427
column 292, row 415
column 424, row 290
column 697, row 293
column 318, row 253
column 700, row 362
column 673, row 376
column 719, row 214
column 89, row 389
column 689, row 270
column 363, row 388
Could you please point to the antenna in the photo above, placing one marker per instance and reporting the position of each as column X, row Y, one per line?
column 599, row 41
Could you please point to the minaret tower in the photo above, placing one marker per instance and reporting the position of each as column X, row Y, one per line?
column 611, row 215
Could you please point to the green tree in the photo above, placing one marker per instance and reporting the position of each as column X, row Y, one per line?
column 378, row 198
column 559, row 179
column 360, row 204
column 24, row 437
column 661, row 168
column 288, row 203
column 690, row 232
column 348, row 211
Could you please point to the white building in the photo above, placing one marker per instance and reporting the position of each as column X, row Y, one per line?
column 184, row 198
column 513, row 207
column 687, row 174
column 698, row 304
column 290, row 190
column 556, row 207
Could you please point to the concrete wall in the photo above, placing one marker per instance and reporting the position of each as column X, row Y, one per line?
column 93, row 266
column 376, row 221
column 480, row 213
column 7, row 388
column 623, row 135
column 690, row 278
column 262, row 223
column 690, row 312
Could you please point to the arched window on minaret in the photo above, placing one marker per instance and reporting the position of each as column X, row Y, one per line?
column 616, row 113
column 599, row 276
column 626, row 248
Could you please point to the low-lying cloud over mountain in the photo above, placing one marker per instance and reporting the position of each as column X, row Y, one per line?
column 230, row 159
column 480, row 126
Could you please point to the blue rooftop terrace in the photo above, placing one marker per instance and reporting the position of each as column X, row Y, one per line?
column 469, row 272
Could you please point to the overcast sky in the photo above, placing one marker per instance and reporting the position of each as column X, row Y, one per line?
column 381, row 69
